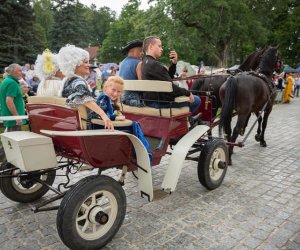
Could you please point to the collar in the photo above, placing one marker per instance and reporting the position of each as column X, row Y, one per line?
column 151, row 57
column 12, row 77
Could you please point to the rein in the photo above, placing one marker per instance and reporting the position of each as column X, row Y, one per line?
column 197, row 77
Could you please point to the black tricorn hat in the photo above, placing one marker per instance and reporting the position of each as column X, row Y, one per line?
column 91, row 66
column 131, row 45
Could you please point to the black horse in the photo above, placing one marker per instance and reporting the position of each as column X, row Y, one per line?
column 249, row 92
column 214, row 82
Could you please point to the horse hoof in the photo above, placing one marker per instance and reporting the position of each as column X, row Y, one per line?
column 257, row 137
column 263, row 144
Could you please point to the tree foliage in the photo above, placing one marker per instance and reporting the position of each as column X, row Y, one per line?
column 121, row 31
column 220, row 32
column 69, row 25
column 98, row 23
column 44, row 21
column 17, row 40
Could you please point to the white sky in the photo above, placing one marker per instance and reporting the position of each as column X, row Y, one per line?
column 115, row 5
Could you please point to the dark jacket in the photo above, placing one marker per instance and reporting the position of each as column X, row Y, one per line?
column 153, row 70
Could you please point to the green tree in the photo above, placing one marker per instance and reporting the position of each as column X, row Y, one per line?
column 282, row 18
column 17, row 40
column 98, row 22
column 70, row 26
column 121, row 32
column 44, row 21
column 222, row 26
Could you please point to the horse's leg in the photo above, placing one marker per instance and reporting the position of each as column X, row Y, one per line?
column 242, row 119
column 264, row 125
column 258, row 132
column 245, row 126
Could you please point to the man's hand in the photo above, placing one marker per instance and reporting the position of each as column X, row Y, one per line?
column 12, row 108
column 192, row 99
column 19, row 122
column 173, row 56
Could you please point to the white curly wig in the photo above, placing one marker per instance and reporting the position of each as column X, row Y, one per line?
column 46, row 65
column 69, row 57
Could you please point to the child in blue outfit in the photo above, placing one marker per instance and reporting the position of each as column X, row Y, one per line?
column 107, row 101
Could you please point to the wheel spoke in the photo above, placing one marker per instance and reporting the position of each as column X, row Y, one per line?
column 83, row 217
column 84, row 206
column 94, row 228
column 106, row 208
column 86, row 225
column 101, row 201
column 93, row 200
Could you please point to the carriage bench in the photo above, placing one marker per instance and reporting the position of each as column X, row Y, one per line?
column 153, row 86
column 160, row 126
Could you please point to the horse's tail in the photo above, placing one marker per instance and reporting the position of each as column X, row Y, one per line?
column 228, row 106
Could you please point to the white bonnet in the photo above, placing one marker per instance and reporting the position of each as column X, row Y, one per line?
column 69, row 57
column 46, row 65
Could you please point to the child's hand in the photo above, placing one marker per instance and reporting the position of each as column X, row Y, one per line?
column 120, row 118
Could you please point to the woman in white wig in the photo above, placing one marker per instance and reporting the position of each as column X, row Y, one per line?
column 47, row 70
column 74, row 63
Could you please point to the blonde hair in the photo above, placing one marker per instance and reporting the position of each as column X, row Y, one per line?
column 114, row 79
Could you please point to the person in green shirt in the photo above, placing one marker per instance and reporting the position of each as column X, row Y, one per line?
column 11, row 100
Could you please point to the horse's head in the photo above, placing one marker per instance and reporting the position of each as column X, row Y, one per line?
column 269, row 62
column 252, row 61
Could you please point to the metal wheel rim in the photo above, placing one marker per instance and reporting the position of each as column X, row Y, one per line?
column 215, row 173
column 93, row 231
column 20, row 189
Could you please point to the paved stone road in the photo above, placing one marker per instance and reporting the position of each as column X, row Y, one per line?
column 256, row 207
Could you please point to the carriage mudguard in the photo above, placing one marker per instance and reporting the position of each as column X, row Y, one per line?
column 178, row 156
column 144, row 170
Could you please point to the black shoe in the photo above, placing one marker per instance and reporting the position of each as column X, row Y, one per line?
column 194, row 120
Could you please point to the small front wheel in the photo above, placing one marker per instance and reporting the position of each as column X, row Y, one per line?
column 91, row 213
column 213, row 163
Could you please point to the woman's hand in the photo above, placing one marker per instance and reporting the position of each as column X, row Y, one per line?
column 107, row 122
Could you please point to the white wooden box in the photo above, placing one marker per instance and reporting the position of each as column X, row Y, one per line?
column 29, row 151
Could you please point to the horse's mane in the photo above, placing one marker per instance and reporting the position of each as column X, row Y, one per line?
column 252, row 61
column 267, row 63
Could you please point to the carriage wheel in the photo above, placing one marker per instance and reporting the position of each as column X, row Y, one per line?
column 212, row 165
column 91, row 213
column 24, row 188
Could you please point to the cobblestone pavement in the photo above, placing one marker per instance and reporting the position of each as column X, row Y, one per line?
column 256, row 207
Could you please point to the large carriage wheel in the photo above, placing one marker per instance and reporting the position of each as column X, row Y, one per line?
column 91, row 213
column 212, row 165
column 24, row 188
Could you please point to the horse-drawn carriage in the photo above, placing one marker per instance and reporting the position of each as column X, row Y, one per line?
column 92, row 210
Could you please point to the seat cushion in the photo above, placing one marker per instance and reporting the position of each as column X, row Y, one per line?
column 165, row 112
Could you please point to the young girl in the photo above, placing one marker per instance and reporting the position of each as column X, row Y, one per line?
column 107, row 101
column 112, row 91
